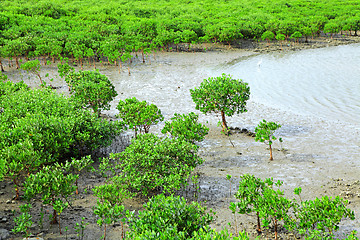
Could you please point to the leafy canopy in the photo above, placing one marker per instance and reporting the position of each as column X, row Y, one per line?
column 139, row 115
column 186, row 126
column 152, row 163
column 264, row 132
column 169, row 216
column 223, row 95
column 92, row 89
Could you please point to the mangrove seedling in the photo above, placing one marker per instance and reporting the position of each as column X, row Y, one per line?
column 249, row 194
column 23, row 222
column 80, row 228
column 321, row 217
column 264, row 132
column 52, row 187
column 152, row 163
column 109, row 206
column 77, row 165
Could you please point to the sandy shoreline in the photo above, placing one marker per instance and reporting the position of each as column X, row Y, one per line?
column 319, row 157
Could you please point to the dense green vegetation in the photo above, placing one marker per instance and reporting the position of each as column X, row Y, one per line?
column 90, row 30
column 314, row 219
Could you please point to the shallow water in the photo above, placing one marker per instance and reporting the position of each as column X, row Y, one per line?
column 319, row 82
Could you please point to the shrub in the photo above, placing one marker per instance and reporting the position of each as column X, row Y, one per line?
column 92, row 89
column 53, row 187
column 138, row 115
column 151, row 163
column 169, row 217
column 186, row 126
column 40, row 127
column 319, row 218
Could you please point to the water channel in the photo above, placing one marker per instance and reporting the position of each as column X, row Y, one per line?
column 321, row 82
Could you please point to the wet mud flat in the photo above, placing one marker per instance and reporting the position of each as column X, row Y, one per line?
column 318, row 155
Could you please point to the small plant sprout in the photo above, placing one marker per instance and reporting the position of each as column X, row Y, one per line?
column 66, row 232
column 109, row 206
column 52, row 187
column 77, row 165
column 228, row 177
column 23, row 222
column 264, row 132
column 80, row 228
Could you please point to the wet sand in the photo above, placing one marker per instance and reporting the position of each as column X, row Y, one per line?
column 318, row 155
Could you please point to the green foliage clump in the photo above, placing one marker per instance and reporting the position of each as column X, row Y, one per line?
column 170, row 218
column 249, row 192
column 109, row 207
column 314, row 219
column 23, row 221
column 223, row 95
column 8, row 87
column 52, row 186
column 139, row 115
column 319, row 218
column 33, row 67
column 152, row 163
column 92, row 89
column 186, row 126
column 64, row 68
column 264, row 132
column 39, row 127
column 115, row 30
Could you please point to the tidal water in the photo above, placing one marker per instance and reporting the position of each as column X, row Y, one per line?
column 320, row 82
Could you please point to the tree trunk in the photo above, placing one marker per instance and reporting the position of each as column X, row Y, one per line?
column 276, row 233
column 1, row 66
column 258, row 223
column 59, row 226
column 129, row 66
column 77, row 187
column 40, row 78
column 224, row 125
column 54, row 220
column 271, row 155
column 17, row 62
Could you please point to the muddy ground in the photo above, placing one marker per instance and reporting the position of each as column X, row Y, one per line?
column 318, row 155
